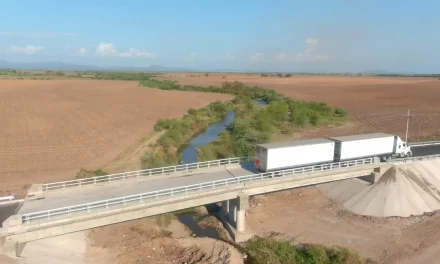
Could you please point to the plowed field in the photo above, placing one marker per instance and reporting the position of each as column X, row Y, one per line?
column 50, row 129
column 373, row 103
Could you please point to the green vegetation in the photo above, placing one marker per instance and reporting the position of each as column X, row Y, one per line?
column 268, row 250
column 84, row 173
column 18, row 73
column 253, row 124
column 128, row 76
column 179, row 131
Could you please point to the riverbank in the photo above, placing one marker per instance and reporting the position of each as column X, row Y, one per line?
column 252, row 124
column 179, row 240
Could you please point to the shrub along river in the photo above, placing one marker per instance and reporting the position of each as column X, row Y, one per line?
column 189, row 153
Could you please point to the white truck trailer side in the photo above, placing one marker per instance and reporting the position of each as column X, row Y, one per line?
column 283, row 155
column 379, row 145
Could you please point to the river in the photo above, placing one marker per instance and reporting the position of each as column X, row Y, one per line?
column 189, row 153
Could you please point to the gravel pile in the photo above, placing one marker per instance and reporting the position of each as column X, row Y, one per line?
column 402, row 190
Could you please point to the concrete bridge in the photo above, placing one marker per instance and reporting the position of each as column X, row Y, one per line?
column 60, row 208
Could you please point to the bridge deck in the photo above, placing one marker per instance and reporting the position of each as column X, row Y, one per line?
column 92, row 193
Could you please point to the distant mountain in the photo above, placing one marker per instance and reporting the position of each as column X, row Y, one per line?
column 57, row 65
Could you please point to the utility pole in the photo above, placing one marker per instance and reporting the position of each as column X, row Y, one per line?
column 408, row 116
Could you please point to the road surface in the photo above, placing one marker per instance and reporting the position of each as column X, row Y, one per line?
column 91, row 193
column 106, row 191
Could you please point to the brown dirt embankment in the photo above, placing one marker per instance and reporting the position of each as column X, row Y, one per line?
column 143, row 241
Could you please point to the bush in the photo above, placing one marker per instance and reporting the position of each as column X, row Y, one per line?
column 252, row 124
column 268, row 250
column 84, row 173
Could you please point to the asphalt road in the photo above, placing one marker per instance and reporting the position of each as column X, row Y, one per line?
column 89, row 193
column 423, row 151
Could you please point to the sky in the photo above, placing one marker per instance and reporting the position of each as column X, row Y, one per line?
column 272, row 35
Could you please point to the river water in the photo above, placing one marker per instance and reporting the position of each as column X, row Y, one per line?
column 189, row 153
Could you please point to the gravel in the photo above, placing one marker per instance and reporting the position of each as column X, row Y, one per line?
column 402, row 190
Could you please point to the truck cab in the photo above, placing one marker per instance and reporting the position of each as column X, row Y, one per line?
column 401, row 148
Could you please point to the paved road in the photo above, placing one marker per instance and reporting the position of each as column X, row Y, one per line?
column 423, row 151
column 88, row 194
column 130, row 187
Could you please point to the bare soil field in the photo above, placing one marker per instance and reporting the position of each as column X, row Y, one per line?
column 373, row 103
column 50, row 129
column 307, row 216
column 143, row 241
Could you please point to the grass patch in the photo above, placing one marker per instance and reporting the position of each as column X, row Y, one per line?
column 269, row 250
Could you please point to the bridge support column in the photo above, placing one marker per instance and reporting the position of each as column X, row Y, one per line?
column 243, row 205
column 235, row 217
column 225, row 208
column 11, row 248
column 232, row 212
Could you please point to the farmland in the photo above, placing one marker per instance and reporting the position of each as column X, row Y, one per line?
column 373, row 103
column 52, row 128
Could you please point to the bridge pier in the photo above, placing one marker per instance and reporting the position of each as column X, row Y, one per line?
column 11, row 247
column 233, row 214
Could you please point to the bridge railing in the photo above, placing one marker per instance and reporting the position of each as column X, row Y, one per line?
column 427, row 157
column 141, row 173
column 425, row 143
column 7, row 198
column 185, row 190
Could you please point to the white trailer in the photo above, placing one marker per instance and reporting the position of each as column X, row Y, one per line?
column 283, row 155
column 379, row 145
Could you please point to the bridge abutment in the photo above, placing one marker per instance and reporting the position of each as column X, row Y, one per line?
column 11, row 247
column 233, row 214
column 373, row 177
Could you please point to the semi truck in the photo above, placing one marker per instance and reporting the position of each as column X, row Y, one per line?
column 299, row 153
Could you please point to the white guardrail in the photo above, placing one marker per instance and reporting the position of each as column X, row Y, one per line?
column 426, row 143
column 185, row 190
column 140, row 173
column 165, row 170
column 427, row 157
column 7, row 198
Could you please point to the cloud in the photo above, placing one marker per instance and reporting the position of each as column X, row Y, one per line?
column 312, row 42
column 282, row 56
column 28, row 50
column 106, row 49
column 82, row 51
column 38, row 34
column 309, row 53
column 133, row 53
column 257, row 57
column 228, row 56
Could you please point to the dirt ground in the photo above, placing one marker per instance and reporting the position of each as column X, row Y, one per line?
column 373, row 103
column 50, row 129
column 309, row 217
column 143, row 241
